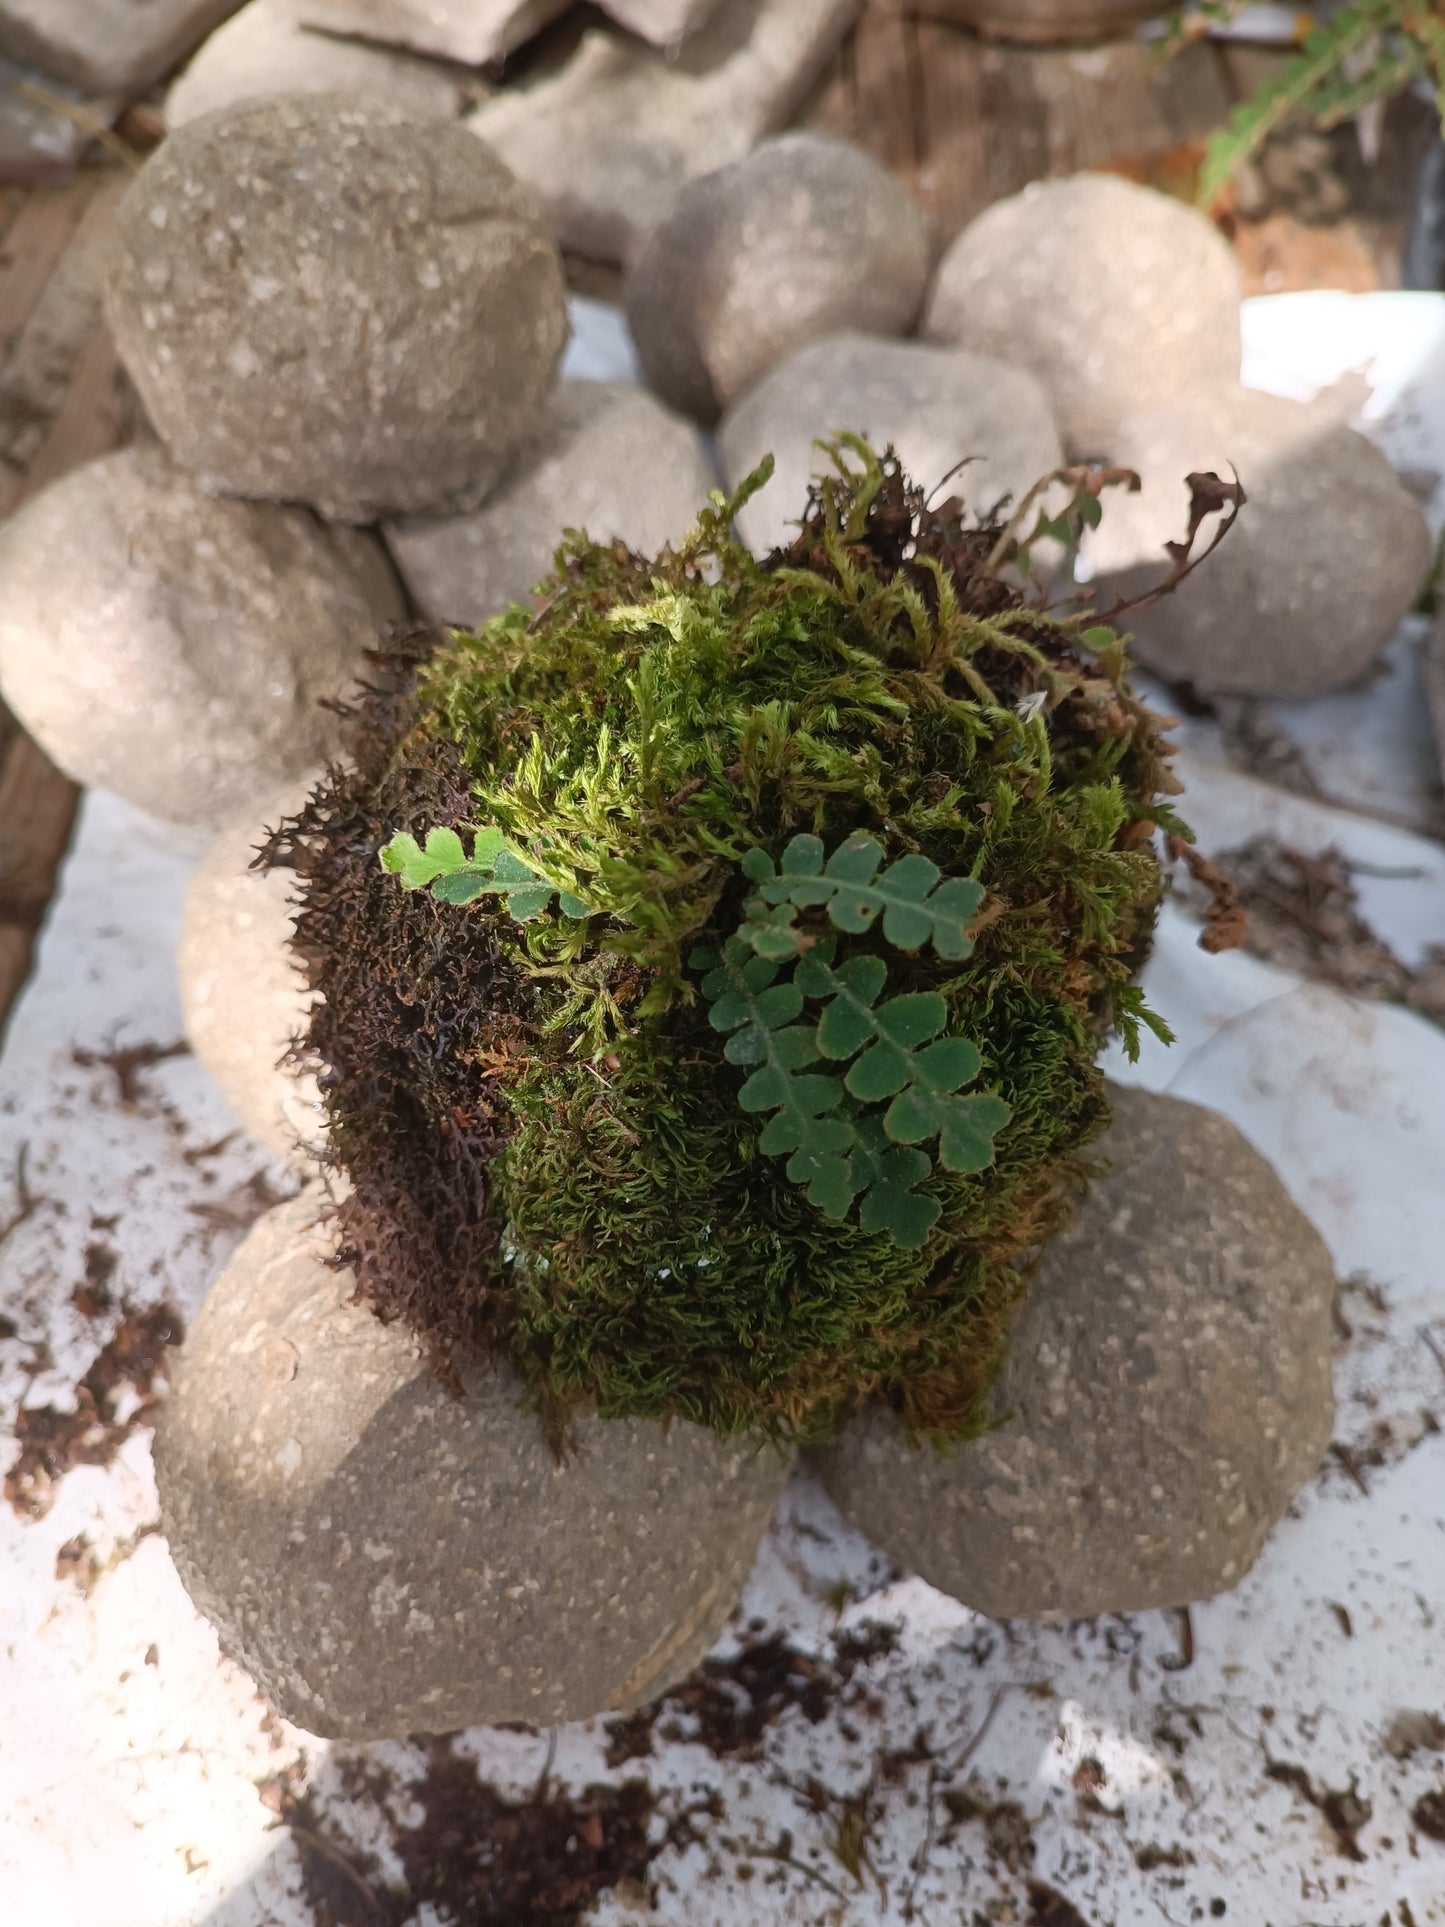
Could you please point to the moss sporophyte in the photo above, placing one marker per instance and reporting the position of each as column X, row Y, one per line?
column 714, row 959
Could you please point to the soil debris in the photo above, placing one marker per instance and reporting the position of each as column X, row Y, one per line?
column 52, row 1442
column 1411, row 1732
column 1303, row 914
column 128, row 1062
column 476, row 1859
column 1428, row 1814
column 731, row 1703
column 1345, row 1809
column 1049, row 1908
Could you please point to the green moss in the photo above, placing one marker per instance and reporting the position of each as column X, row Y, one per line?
column 537, row 1117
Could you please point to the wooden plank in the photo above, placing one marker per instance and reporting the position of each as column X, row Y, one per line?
column 32, row 248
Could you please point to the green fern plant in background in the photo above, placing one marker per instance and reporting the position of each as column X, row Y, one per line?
column 1362, row 53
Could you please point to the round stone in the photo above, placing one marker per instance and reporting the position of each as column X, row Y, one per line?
column 1167, row 1393
column 1328, row 555
column 265, row 49
column 805, row 238
column 1112, row 295
column 243, row 999
column 611, row 461
column 178, row 648
column 386, row 1558
column 333, row 299
column 937, row 407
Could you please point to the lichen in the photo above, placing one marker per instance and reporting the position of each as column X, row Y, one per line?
column 543, row 1139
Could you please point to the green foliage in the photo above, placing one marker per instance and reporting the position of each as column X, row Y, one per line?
column 491, row 869
column 1363, row 53
column 541, row 1118
column 818, row 1117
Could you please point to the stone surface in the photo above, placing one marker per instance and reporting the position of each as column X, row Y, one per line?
column 387, row 1559
column 608, row 136
column 1169, row 1385
column 470, row 31
column 804, row 238
column 1328, row 555
column 265, row 49
column 242, row 997
column 663, row 22
column 938, row 407
column 109, row 46
column 1114, row 296
column 613, row 461
column 177, row 648
column 330, row 299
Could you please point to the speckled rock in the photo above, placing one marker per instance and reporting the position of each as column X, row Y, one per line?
column 243, row 1000
column 386, row 1559
column 331, row 299
column 1169, row 1385
column 663, row 22
column 178, row 648
column 265, row 49
column 935, row 405
column 470, row 31
column 1114, row 296
column 804, row 238
column 108, row 46
column 1328, row 555
column 612, row 461
column 609, row 136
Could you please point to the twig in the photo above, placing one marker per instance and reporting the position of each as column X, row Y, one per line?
column 1434, row 1350
column 82, row 117
column 338, row 1860
column 785, row 1859
column 1179, row 1662
column 27, row 1199
column 539, row 1791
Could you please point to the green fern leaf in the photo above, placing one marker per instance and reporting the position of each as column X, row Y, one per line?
column 885, row 1174
column 456, row 878
column 910, row 899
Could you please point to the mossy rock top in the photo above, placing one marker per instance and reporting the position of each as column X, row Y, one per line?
column 533, row 1096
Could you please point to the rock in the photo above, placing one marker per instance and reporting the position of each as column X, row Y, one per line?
column 663, row 22
column 1328, row 555
column 613, row 462
column 177, row 648
column 1169, row 1382
column 937, row 407
column 108, row 46
column 243, row 1000
column 334, row 300
column 264, row 49
column 1114, row 296
column 804, row 238
column 470, row 31
column 609, row 136
column 386, row 1559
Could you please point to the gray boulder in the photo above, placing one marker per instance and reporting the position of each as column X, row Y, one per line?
column 386, row 1559
column 107, row 46
column 470, row 31
column 663, row 22
column 265, row 49
column 243, row 1000
column 804, row 238
column 1114, row 296
column 612, row 461
column 331, row 299
column 608, row 135
column 175, row 647
column 1166, row 1395
column 937, row 407
column 1328, row 555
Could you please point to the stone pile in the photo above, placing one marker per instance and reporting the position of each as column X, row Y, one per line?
column 345, row 314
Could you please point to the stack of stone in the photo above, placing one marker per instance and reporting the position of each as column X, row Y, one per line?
column 345, row 317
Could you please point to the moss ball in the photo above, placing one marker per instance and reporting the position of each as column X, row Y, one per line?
column 538, row 1115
